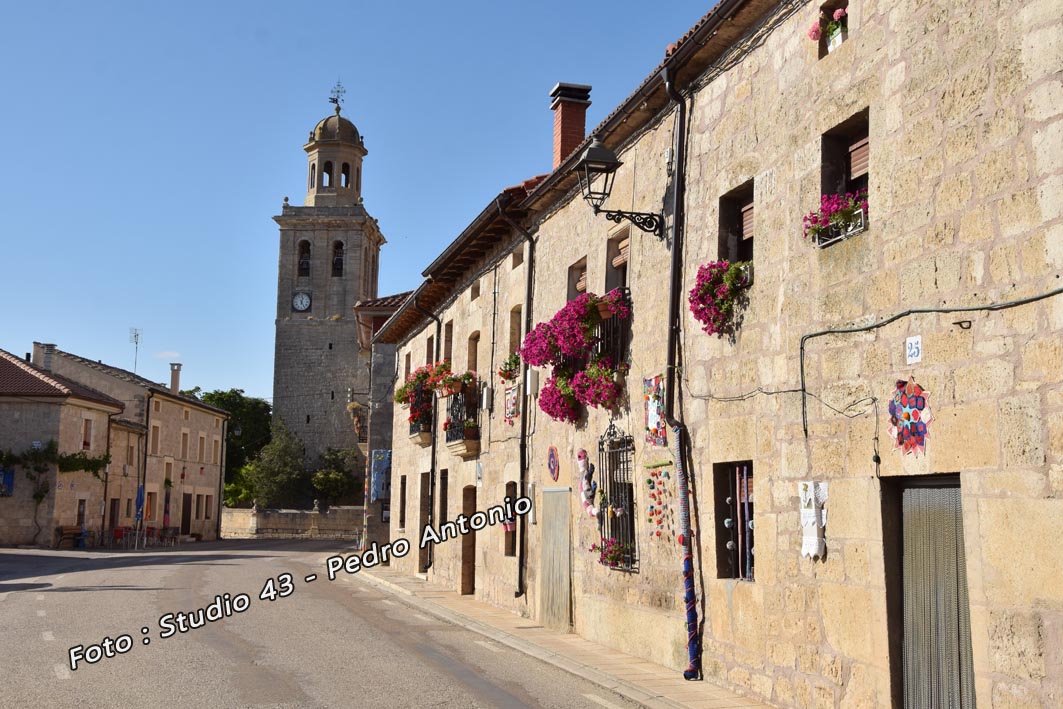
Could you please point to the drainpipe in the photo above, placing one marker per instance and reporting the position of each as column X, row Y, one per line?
column 106, row 479
column 435, row 428
column 693, row 670
column 142, row 477
column 221, row 476
column 522, row 551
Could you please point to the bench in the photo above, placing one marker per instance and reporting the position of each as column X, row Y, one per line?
column 76, row 535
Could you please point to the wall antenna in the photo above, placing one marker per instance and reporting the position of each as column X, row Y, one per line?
column 134, row 337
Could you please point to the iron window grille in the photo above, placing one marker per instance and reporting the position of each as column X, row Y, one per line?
column 462, row 408
column 734, row 510
column 616, row 509
column 422, row 407
column 611, row 335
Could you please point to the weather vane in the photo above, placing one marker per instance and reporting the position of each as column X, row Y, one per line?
column 336, row 97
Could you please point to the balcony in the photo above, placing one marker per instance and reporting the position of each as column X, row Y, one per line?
column 463, row 423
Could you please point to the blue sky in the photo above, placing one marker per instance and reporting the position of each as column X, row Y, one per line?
column 144, row 148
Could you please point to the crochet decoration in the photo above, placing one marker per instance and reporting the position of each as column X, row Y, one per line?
column 910, row 417
column 587, row 486
column 552, row 463
column 653, row 395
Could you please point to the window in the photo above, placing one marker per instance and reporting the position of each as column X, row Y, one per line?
column 184, row 445
column 209, row 506
column 518, row 256
column 86, row 434
column 129, row 507
column 737, row 224
column 345, row 175
column 199, row 507
column 402, row 503
column 577, row 278
column 184, row 414
column 168, row 467
column 326, row 175
column 313, row 176
column 473, row 352
column 515, row 328
column 616, row 257
column 474, row 290
column 215, row 453
column 430, row 350
column 155, row 433
column 845, row 171
column 149, row 506
column 826, row 17
column 617, row 507
column 202, row 448
column 304, row 259
column 407, row 368
column 217, row 422
column 448, row 341
column 511, row 534
column 444, row 481
column 337, row 259
column 733, row 492
column 156, row 406
column 129, row 455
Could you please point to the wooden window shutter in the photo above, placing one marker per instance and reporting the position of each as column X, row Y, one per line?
column 581, row 282
column 620, row 259
column 748, row 222
column 859, row 152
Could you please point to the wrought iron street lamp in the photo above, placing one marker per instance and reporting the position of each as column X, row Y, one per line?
column 598, row 161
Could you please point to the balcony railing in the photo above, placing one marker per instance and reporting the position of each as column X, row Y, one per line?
column 462, row 409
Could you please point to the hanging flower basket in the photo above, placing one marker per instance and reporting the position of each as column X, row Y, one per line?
column 509, row 525
column 716, row 291
column 510, row 368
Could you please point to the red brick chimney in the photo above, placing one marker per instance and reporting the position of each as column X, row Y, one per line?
column 175, row 377
column 569, row 103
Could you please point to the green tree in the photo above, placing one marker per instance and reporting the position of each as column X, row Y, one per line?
column 278, row 475
column 349, row 462
column 241, row 491
column 332, row 484
column 249, row 415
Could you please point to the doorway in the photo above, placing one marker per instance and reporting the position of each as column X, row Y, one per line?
column 555, row 609
column 115, row 506
column 425, row 513
column 928, row 608
column 468, row 543
column 186, row 514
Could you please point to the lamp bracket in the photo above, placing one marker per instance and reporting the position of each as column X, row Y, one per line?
column 649, row 222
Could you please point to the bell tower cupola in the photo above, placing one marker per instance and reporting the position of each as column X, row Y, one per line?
column 335, row 151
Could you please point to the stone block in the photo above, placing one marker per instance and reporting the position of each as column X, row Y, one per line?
column 1047, row 145
column 1020, row 428
column 1042, row 359
column 845, row 611
column 1029, row 577
column 984, row 379
column 964, row 437
column 1016, row 644
column 1014, row 696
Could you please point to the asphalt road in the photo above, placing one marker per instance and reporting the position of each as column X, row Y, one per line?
column 339, row 643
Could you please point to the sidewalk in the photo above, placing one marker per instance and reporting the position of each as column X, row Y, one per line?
column 651, row 684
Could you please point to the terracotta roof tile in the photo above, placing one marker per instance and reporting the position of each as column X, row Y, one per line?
column 20, row 378
column 387, row 301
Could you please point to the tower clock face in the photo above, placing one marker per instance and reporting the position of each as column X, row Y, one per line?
column 301, row 302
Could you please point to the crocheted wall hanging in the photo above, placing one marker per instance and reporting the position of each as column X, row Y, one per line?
column 659, row 513
column 653, row 396
column 910, row 417
column 552, row 463
column 512, row 403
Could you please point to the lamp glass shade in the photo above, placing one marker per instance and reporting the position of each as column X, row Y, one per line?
column 597, row 161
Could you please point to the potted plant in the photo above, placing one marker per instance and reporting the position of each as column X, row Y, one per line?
column 472, row 430
column 839, row 217
column 613, row 553
column 598, row 385
column 833, row 25
column 510, row 367
column 717, row 289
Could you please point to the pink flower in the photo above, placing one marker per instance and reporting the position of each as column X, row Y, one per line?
column 814, row 32
column 839, row 14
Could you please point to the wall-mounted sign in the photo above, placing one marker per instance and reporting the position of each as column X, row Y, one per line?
column 913, row 349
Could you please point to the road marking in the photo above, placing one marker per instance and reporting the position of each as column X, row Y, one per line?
column 492, row 648
column 598, row 700
column 47, row 635
column 61, row 672
column 41, row 614
column 39, row 597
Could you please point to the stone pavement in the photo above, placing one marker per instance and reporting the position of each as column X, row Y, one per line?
column 651, row 684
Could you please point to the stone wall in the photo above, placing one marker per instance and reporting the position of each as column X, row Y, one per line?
column 21, row 423
column 341, row 523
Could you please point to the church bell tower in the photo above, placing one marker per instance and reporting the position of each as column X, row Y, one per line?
column 329, row 253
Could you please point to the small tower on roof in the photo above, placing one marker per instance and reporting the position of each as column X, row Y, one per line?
column 334, row 150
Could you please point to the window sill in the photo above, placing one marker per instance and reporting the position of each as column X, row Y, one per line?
column 839, row 233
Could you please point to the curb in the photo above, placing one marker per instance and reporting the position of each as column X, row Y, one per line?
column 606, row 681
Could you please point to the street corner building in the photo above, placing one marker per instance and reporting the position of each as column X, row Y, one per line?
column 776, row 352
column 166, row 453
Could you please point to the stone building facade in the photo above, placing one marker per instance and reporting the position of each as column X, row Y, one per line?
column 38, row 407
column 176, row 444
column 329, row 257
column 950, row 115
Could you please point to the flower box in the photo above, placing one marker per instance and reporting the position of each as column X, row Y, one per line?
column 836, row 37
column 842, row 230
column 509, row 525
column 422, row 437
column 464, row 447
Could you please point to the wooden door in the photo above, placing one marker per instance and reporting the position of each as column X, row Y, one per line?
column 468, row 542
column 115, row 503
column 555, row 592
column 186, row 514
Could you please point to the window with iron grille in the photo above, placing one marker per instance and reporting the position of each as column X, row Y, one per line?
column 611, row 335
column 422, row 406
column 616, row 503
column 464, row 415
column 733, row 490
column 402, row 502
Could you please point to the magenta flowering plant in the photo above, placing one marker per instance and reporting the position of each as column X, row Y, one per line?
column 558, row 401
column 566, row 342
column 716, row 290
column 835, row 210
column 613, row 553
